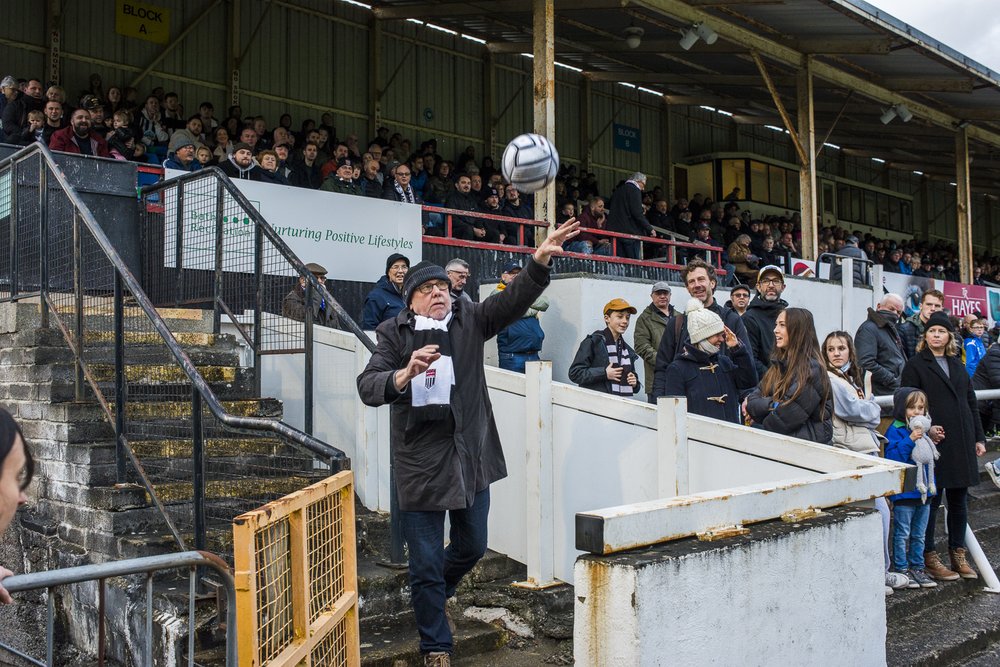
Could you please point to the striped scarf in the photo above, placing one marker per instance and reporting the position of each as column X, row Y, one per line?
column 619, row 355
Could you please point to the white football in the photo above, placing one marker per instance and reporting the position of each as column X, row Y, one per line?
column 530, row 162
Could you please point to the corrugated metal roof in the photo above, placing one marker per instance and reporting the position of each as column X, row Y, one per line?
column 905, row 61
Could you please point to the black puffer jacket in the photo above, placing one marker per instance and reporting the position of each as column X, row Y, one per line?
column 759, row 320
column 987, row 376
column 809, row 416
column 880, row 351
column 711, row 382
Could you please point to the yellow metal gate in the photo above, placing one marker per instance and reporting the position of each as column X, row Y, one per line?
column 296, row 579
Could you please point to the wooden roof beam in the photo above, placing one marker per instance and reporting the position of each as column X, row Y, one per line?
column 694, row 79
column 456, row 9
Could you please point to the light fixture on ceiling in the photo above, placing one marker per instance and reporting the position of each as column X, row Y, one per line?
column 633, row 36
column 697, row 31
column 895, row 110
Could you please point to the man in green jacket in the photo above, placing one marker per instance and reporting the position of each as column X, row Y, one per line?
column 649, row 329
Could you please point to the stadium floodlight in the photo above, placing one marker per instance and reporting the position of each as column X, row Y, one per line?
column 888, row 115
column 698, row 31
column 707, row 34
column 633, row 36
column 688, row 39
column 904, row 113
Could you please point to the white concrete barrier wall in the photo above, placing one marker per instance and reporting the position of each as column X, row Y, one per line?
column 728, row 603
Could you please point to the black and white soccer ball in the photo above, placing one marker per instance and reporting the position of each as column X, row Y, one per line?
column 530, row 162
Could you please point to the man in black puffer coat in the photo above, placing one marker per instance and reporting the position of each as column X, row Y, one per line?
column 880, row 349
column 762, row 313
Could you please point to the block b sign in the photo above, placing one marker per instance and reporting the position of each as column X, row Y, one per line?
column 142, row 21
column 628, row 138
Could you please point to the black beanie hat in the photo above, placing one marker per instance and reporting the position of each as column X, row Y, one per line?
column 939, row 319
column 395, row 257
column 420, row 274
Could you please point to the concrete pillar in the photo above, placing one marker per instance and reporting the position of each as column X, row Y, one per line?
column 375, row 74
column 963, row 193
column 53, row 19
column 489, row 105
column 586, row 106
column 234, row 52
column 666, row 132
column 544, row 96
column 807, row 174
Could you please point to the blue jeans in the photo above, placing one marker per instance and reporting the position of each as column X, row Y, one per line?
column 909, row 524
column 514, row 361
column 435, row 570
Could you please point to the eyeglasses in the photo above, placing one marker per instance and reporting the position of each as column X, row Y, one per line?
column 770, row 281
column 402, row 173
column 428, row 287
column 460, row 274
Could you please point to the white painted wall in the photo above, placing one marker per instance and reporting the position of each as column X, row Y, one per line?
column 577, row 304
column 731, row 605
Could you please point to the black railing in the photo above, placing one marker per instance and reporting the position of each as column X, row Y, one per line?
column 200, row 459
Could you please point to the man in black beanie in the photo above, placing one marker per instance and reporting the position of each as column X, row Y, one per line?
column 445, row 446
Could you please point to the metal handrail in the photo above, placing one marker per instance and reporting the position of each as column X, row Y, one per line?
column 834, row 258
column 251, row 212
column 202, row 392
column 101, row 571
column 142, row 300
column 981, row 394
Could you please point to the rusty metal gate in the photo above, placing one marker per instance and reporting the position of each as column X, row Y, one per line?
column 296, row 578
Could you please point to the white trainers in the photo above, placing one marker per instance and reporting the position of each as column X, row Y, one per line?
column 991, row 470
column 896, row 580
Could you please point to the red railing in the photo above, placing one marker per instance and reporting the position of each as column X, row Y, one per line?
column 671, row 260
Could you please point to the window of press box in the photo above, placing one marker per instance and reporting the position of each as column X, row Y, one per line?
column 734, row 175
column 759, row 189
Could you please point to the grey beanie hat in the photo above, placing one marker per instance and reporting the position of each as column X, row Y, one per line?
column 420, row 274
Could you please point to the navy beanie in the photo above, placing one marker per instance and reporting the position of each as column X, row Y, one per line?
column 420, row 274
column 393, row 258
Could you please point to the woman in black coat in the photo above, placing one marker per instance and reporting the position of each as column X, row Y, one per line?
column 794, row 396
column 938, row 372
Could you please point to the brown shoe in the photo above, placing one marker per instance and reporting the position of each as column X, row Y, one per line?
column 960, row 564
column 437, row 659
column 936, row 569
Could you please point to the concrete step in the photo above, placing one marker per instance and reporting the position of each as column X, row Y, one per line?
column 987, row 658
column 167, row 411
column 945, row 633
column 394, row 642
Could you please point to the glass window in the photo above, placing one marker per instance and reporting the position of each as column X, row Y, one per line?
column 734, row 175
column 828, row 204
column 776, row 179
column 855, row 205
column 758, row 181
column 792, row 180
column 869, row 213
column 883, row 211
column 905, row 216
column 700, row 180
column 843, row 202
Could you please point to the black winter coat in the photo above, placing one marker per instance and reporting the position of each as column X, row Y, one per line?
column 443, row 465
column 672, row 344
column 759, row 320
column 304, row 176
column 880, row 352
column 952, row 405
column 910, row 332
column 809, row 416
column 987, row 376
column 711, row 382
column 589, row 367
column 626, row 214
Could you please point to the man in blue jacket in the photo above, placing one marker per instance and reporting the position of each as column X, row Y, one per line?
column 521, row 341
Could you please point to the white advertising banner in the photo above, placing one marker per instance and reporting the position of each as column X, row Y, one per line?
column 350, row 236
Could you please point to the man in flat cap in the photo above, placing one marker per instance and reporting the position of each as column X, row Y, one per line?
column 445, row 445
column 294, row 304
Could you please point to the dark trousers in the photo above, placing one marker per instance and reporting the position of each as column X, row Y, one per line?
column 435, row 570
column 957, row 500
column 630, row 249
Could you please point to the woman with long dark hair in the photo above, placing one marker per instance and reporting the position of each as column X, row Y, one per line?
column 937, row 370
column 856, row 415
column 794, row 396
column 16, row 469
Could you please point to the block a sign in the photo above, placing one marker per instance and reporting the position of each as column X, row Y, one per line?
column 350, row 236
column 628, row 138
column 142, row 21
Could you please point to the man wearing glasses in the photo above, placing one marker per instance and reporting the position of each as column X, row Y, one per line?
column 445, row 445
column 458, row 274
column 294, row 304
column 399, row 189
column 762, row 313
